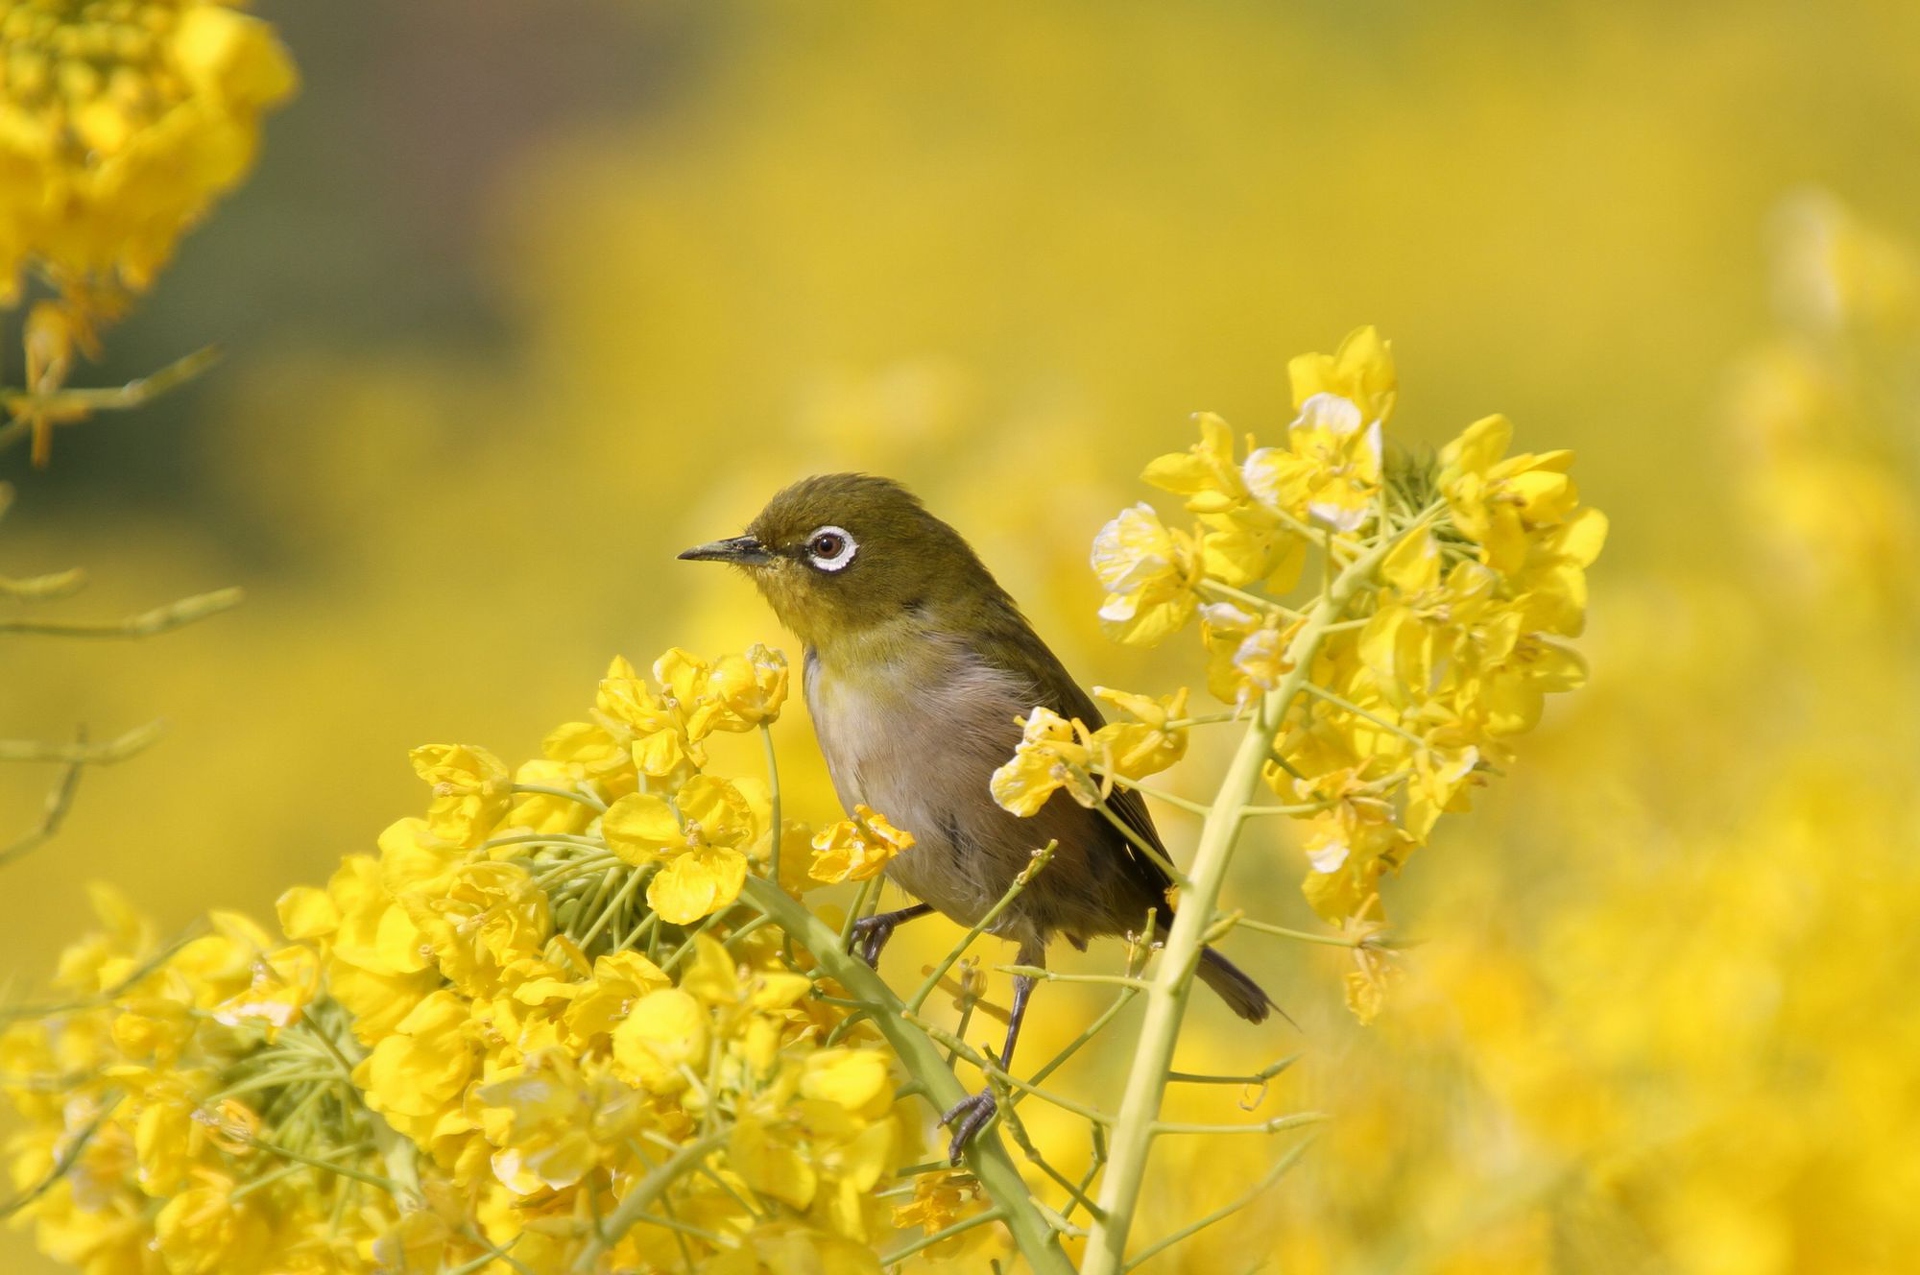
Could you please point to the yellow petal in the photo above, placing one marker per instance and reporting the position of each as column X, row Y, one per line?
column 639, row 825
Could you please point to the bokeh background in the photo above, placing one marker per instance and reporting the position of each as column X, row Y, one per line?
column 523, row 298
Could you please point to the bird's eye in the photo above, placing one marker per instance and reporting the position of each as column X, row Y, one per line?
column 831, row 548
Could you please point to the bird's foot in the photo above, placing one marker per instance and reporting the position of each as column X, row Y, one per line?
column 870, row 935
column 967, row 1118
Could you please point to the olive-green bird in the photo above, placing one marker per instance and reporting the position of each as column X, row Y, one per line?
column 917, row 664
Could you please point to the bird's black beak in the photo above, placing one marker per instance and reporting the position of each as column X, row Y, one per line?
column 743, row 551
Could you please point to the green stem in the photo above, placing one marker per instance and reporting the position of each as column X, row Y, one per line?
column 391, row 1186
column 1274, row 1174
column 1141, row 844
column 1171, row 799
column 1035, row 865
column 633, row 1206
column 961, row 1227
column 145, row 624
column 1172, row 983
column 773, row 802
column 568, row 793
column 986, row 1155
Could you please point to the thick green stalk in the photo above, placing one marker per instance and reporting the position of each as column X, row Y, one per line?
column 1167, row 991
column 986, row 1155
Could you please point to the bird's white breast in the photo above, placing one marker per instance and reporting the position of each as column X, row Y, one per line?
column 918, row 738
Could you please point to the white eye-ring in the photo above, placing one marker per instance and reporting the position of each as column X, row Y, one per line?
column 831, row 548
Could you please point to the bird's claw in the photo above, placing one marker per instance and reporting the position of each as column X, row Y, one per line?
column 870, row 935
column 967, row 1118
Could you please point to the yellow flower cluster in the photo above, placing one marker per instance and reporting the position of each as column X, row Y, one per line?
column 1055, row 753
column 167, row 1095
column 531, row 1024
column 120, row 122
column 1442, row 656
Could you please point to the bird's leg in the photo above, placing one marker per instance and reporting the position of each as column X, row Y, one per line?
column 872, row 932
column 971, row 1114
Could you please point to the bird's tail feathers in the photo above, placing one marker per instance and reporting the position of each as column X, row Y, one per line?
column 1242, row 995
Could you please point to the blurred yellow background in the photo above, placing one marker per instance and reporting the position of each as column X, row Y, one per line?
column 524, row 298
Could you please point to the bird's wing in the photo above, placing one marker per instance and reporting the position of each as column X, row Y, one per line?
column 1009, row 641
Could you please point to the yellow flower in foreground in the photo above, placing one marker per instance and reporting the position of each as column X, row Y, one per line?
column 1361, row 371
column 1144, row 746
column 652, row 728
column 665, row 1035
column 940, row 1199
column 471, row 790
column 119, row 126
column 698, row 884
column 416, row 1076
column 857, row 849
column 1330, row 468
column 702, row 845
column 619, row 979
column 1206, row 474
column 1149, row 573
column 551, row 1119
column 1049, row 756
column 733, row 693
column 204, row 1231
column 793, row 1248
column 1497, row 499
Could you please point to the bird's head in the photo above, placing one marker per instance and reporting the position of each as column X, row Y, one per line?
column 839, row 556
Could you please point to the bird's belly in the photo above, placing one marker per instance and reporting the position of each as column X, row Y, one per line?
column 922, row 755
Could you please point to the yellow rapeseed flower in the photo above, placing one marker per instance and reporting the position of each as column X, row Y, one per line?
column 472, row 790
column 1144, row 746
column 857, row 849
column 1497, row 499
column 940, row 1199
column 701, row 838
column 1052, row 754
column 1149, row 572
column 1360, row 371
column 666, row 1033
column 1330, row 469
column 416, row 1076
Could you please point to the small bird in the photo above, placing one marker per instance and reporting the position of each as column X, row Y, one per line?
column 917, row 665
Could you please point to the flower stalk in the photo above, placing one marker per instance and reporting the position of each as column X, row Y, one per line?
column 1171, row 985
column 986, row 1155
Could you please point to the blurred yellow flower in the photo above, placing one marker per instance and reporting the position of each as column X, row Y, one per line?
column 119, row 127
column 416, row 1076
column 205, row 1231
column 792, row 1248
column 551, row 1121
column 940, row 1199
column 284, row 982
